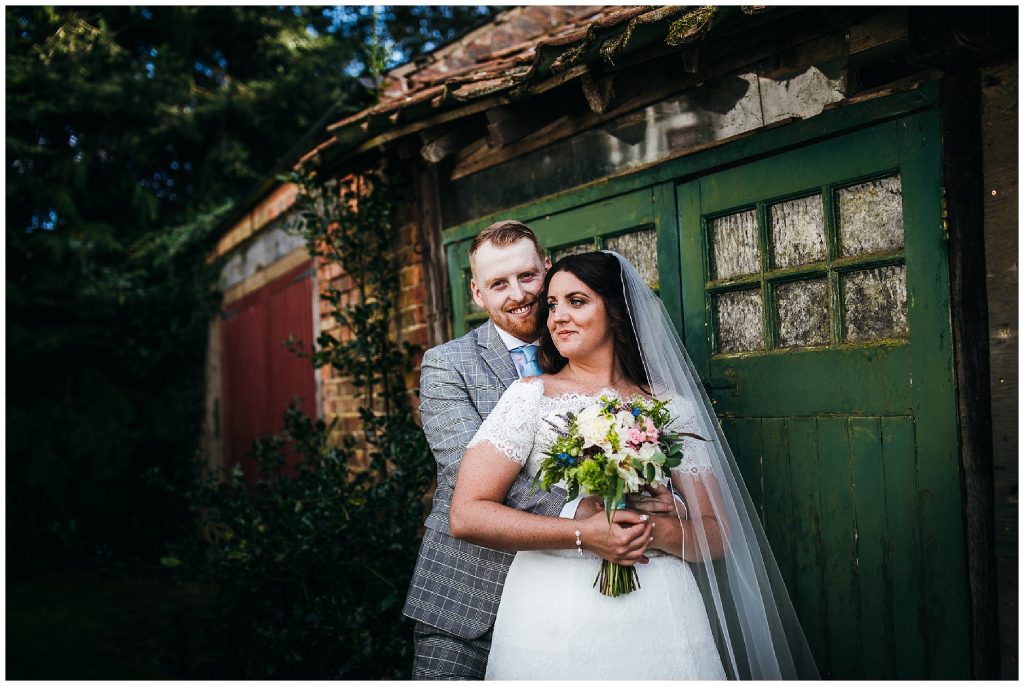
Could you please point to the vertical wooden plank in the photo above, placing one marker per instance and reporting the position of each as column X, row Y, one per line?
column 837, row 530
column 778, row 511
column 246, row 366
column 807, row 536
column 744, row 437
column 670, row 277
column 909, row 626
column 872, row 535
column 691, row 264
column 934, row 401
column 290, row 313
column 457, row 259
column 430, row 211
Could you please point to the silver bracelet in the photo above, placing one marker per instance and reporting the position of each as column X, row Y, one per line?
column 579, row 543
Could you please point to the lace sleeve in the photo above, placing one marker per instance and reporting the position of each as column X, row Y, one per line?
column 512, row 425
column 696, row 457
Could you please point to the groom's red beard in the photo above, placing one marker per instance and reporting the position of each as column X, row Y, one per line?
column 526, row 327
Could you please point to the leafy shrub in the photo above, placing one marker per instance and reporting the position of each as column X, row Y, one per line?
column 311, row 568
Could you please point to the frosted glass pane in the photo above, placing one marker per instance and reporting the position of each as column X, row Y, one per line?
column 567, row 250
column 640, row 248
column 875, row 303
column 738, row 317
column 802, row 307
column 798, row 231
column 734, row 245
column 871, row 217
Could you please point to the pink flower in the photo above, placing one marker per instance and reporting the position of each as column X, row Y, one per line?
column 635, row 436
column 651, row 433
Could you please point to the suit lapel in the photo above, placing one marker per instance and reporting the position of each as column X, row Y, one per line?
column 495, row 355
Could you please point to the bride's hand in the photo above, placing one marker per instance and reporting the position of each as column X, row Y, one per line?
column 624, row 542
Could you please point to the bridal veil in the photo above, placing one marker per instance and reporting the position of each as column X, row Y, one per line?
column 751, row 614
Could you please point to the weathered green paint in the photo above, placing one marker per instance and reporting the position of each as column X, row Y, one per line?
column 778, row 507
column 899, row 459
column 809, row 549
column 934, row 401
column 671, row 291
column 841, row 589
column 748, row 432
column 794, row 379
column 854, row 577
column 872, row 534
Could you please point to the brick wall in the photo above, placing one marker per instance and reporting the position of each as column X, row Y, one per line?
column 339, row 397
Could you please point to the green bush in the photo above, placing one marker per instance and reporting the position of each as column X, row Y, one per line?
column 311, row 569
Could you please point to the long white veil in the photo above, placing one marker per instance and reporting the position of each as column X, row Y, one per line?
column 751, row 614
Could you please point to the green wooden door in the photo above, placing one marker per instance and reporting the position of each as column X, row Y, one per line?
column 815, row 301
column 640, row 225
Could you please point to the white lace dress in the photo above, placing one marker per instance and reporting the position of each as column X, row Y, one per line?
column 552, row 623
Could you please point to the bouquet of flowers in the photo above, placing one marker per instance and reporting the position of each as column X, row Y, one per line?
column 610, row 449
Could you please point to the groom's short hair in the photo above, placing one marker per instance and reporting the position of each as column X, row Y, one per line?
column 503, row 233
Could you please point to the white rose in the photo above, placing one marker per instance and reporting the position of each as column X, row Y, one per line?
column 593, row 426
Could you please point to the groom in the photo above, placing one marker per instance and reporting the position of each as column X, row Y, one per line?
column 456, row 585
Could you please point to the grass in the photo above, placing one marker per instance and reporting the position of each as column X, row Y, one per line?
column 96, row 625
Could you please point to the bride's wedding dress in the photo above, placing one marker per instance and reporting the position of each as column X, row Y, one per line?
column 552, row 623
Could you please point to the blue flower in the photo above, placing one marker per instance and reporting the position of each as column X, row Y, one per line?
column 566, row 459
column 636, row 412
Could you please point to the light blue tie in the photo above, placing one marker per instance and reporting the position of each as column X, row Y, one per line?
column 530, row 366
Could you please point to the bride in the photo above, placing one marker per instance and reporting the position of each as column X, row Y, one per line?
column 711, row 602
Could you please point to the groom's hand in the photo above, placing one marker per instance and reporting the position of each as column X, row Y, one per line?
column 652, row 500
column 589, row 507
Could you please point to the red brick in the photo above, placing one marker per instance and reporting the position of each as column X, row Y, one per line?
column 411, row 275
column 414, row 295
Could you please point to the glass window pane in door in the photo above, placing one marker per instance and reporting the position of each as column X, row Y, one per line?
column 798, row 231
column 738, row 317
column 565, row 250
column 641, row 249
column 871, row 217
column 734, row 245
column 802, row 308
column 875, row 303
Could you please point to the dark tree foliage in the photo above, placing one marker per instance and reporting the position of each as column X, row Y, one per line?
column 130, row 131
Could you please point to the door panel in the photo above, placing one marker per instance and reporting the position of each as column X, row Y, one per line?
column 261, row 375
column 816, row 308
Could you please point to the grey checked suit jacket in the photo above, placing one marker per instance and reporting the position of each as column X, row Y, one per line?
column 456, row 585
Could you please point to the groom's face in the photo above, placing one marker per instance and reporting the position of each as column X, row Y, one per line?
column 506, row 283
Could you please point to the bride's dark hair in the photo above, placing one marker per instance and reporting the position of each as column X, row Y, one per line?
column 601, row 272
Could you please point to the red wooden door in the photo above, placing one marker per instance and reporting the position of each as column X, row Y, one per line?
column 261, row 375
